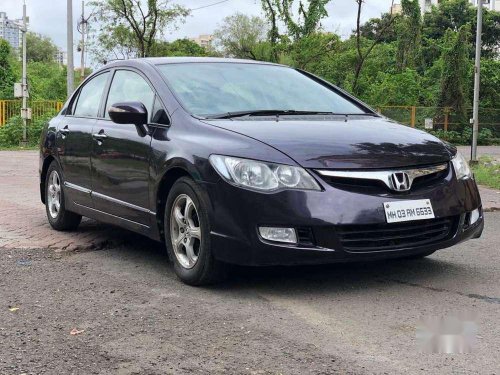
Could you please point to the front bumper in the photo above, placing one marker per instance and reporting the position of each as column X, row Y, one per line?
column 237, row 213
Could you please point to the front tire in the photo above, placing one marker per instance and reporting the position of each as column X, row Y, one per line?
column 59, row 218
column 187, row 235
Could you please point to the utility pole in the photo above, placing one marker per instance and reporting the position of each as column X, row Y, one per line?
column 82, row 28
column 69, row 26
column 477, row 70
column 24, row 81
column 82, row 73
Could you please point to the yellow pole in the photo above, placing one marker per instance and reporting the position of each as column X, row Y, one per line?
column 2, row 118
column 446, row 119
column 413, row 116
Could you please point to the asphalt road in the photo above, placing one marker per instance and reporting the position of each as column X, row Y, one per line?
column 135, row 317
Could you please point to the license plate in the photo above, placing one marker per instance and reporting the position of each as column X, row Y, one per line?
column 396, row 212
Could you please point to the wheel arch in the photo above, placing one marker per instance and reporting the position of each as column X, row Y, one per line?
column 43, row 175
column 167, row 181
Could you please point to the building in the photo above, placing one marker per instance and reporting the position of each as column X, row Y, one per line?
column 396, row 9
column 490, row 4
column 10, row 30
column 61, row 57
column 426, row 5
column 204, row 40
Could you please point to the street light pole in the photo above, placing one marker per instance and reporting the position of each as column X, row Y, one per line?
column 70, row 67
column 477, row 70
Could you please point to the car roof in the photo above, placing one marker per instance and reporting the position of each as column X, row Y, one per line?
column 183, row 60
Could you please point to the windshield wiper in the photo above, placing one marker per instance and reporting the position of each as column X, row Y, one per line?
column 268, row 112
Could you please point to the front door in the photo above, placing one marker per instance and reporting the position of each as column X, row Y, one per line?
column 120, row 156
column 74, row 141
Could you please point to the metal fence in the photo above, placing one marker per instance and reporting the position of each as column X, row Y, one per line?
column 39, row 108
column 442, row 118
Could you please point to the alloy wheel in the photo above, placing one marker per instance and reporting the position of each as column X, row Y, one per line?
column 54, row 194
column 185, row 231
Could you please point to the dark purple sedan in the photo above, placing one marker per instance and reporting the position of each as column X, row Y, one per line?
column 251, row 163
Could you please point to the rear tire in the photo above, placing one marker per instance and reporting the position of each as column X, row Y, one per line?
column 187, row 235
column 59, row 218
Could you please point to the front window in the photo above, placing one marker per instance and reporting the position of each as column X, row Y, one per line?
column 211, row 89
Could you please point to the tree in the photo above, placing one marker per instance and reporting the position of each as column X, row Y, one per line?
column 372, row 28
column 308, row 20
column 490, row 83
column 238, row 35
column 409, row 35
column 179, row 47
column 362, row 53
column 395, row 89
column 7, row 77
column 455, row 72
column 40, row 48
column 453, row 14
column 134, row 26
column 312, row 50
column 273, row 33
column 47, row 81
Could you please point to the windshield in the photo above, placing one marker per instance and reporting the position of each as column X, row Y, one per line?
column 211, row 89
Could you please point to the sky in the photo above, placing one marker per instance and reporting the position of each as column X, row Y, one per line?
column 48, row 17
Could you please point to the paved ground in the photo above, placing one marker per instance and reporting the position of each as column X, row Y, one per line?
column 493, row 151
column 136, row 318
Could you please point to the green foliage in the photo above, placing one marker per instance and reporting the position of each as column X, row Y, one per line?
column 409, row 34
column 179, row 47
column 464, row 137
column 11, row 133
column 454, row 14
column 47, row 81
column 311, row 51
column 487, row 172
column 395, row 89
column 129, row 28
column 239, row 35
column 7, row 77
column 490, row 83
column 455, row 72
column 380, row 28
column 40, row 48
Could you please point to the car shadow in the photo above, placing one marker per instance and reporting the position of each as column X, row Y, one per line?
column 307, row 280
column 425, row 273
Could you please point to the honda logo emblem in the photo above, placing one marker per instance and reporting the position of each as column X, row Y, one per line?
column 400, row 181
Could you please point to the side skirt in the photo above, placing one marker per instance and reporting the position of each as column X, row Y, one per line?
column 115, row 220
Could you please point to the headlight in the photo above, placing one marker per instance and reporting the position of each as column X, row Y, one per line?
column 262, row 176
column 462, row 169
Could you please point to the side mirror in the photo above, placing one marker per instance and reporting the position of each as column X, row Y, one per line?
column 129, row 113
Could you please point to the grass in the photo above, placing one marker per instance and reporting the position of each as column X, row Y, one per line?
column 487, row 172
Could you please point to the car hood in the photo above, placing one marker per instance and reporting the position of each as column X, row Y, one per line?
column 361, row 142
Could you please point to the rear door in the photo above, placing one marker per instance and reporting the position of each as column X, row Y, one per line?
column 120, row 156
column 74, row 140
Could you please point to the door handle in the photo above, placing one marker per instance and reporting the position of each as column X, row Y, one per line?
column 64, row 131
column 99, row 136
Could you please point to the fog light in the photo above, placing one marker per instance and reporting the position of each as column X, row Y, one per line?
column 287, row 235
column 474, row 216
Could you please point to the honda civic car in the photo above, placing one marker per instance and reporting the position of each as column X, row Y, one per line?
column 252, row 163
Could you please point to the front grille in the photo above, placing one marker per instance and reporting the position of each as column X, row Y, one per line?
column 379, row 237
column 373, row 186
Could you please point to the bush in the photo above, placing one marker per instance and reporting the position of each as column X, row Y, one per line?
column 485, row 137
column 11, row 134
